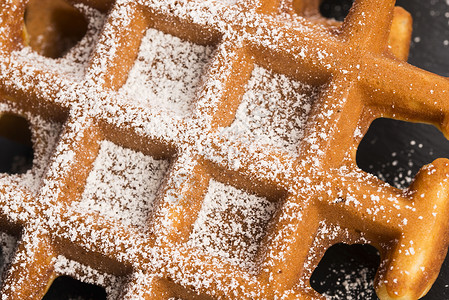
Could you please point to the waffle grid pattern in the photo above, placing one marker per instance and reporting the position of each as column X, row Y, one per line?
column 322, row 197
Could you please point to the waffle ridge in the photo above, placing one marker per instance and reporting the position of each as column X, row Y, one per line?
column 314, row 193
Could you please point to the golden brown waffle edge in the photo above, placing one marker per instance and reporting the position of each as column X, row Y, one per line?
column 305, row 192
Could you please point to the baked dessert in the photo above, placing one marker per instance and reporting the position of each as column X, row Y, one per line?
column 206, row 149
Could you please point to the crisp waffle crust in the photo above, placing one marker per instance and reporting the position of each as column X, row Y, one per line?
column 206, row 149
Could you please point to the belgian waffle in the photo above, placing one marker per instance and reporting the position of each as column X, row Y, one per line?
column 206, row 149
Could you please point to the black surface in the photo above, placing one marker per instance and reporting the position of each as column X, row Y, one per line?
column 335, row 9
column 15, row 158
column 347, row 269
column 430, row 42
column 395, row 150
column 67, row 288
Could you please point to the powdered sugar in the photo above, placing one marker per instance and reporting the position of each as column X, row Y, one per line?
column 231, row 224
column 45, row 139
column 167, row 72
column 111, row 283
column 122, row 184
column 229, row 2
column 274, row 110
column 75, row 62
column 45, row 135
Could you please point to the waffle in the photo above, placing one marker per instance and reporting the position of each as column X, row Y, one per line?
column 206, row 149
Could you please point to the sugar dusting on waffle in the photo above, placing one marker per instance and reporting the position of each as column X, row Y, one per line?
column 75, row 62
column 122, row 185
column 273, row 110
column 166, row 127
column 284, row 131
column 231, row 224
column 181, row 63
column 45, row 136
column 167, row 72
column 67, row 267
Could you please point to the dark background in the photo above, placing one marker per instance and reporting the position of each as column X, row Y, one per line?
column 392, row 150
